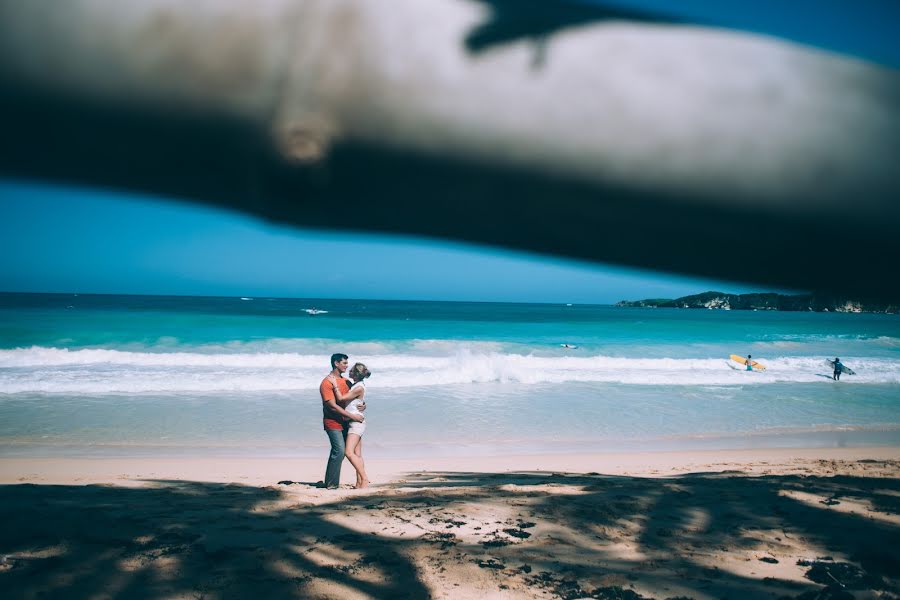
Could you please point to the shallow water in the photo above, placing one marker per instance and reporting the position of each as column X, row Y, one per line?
column 134, row 374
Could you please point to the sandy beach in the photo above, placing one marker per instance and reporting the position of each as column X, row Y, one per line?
column 817, row 523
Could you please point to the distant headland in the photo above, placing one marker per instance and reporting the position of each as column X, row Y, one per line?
column 766, row 301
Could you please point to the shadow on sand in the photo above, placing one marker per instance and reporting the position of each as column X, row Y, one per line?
column 561, row 535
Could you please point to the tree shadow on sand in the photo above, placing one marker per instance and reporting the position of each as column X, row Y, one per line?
column 570, row 536
column 187, row 538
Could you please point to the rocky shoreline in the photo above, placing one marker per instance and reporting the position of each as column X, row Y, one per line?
column 766, row 301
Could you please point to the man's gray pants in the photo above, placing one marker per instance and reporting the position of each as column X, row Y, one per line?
column 338, row 439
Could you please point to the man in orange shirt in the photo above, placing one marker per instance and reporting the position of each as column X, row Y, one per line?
column 333, row 418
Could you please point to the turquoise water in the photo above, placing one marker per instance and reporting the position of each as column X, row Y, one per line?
column 129, row 374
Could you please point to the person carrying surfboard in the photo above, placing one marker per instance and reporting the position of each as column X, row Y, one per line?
column 749, row 362
column 838, row 367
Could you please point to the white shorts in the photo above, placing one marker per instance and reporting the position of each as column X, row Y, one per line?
column 357, row 428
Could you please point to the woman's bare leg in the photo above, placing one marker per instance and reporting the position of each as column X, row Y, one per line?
column 357, row 449
column 358, row 452
column 356, row 459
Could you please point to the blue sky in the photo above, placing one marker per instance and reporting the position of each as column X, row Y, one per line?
column 60, row 239
column 865, row 28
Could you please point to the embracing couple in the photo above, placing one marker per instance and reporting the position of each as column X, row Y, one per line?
column 342, row 414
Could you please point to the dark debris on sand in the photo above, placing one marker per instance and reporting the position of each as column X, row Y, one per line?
column 842, row 575
column 491, row 563
column 831, row 592
column 568, row 588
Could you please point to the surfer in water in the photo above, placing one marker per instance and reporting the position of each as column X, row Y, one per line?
column 838, row 367
column 749, row 362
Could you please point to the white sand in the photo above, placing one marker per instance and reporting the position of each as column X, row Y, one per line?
column 695, row 524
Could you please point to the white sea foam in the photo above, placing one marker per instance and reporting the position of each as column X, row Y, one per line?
column 99, row 371
column 889, row 342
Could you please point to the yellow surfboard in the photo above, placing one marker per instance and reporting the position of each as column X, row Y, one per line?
column 740, row 359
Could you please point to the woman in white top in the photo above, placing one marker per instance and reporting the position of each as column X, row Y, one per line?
column 358, row 374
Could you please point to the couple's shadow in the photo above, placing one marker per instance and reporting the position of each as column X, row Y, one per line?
column 314, row 484
column 320, row 485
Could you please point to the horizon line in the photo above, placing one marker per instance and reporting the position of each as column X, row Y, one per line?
column 271, row 297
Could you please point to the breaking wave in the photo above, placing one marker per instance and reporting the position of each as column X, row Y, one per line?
column 101, row 371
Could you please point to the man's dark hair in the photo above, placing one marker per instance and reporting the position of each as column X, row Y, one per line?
column 338, row 358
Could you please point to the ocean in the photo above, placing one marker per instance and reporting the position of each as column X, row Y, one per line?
column 106, row 375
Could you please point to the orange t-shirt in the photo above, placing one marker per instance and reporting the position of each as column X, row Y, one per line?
column 331, row 419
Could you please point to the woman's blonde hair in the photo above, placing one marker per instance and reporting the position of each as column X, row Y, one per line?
column 359, row 371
